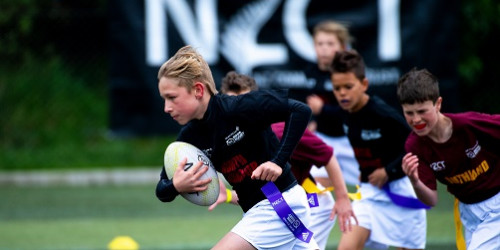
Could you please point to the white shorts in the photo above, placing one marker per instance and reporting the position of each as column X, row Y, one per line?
column 262, row 227
column 321, row 225
column 345, row 156
column 389, row 224
column 481, row 222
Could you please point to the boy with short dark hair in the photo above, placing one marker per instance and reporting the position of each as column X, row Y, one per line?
column 461, row 150
column 329, row 37
column 377, row 133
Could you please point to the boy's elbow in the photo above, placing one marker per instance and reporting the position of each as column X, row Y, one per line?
column 433, row 202
column 309, row 111
column 430, row 200
column 165, row 192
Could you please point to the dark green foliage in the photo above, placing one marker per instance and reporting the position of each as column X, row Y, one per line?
column 479, row 53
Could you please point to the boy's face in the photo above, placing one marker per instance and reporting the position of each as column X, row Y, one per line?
column 422, row 117
column 180, row 104
column 326, row 45
column 349, row 91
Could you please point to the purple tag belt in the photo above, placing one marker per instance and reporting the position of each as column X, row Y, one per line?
column 404, row 201
column 286, row 214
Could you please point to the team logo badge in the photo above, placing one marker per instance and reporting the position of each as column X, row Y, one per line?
column 368, row 135
column 472, row 152
column 235, row 136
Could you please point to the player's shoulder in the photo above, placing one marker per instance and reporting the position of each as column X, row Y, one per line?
column 472, row 117
column 380, row 106
column 383, row 110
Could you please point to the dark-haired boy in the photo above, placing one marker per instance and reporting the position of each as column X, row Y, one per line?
column 377, row 133
column 459, row 150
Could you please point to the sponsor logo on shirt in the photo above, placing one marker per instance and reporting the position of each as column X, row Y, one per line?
column 237, row 168
column 469, row 175
column 368, row 135
column 438, row 166
column 235, row 136
column 472, row 152
column 346, row 128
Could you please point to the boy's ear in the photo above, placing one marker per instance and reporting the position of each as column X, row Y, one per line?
column 199, row 89
column 438, row 104
column 365, row 83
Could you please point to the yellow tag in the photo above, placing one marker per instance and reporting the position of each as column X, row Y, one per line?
column 311, row 187
column 458, row 227
column 355, row 196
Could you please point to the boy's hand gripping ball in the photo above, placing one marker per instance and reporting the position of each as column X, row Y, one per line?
column 174, row 153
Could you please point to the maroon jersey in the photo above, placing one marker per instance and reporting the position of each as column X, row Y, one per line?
column 310, row 151
column 468, row 163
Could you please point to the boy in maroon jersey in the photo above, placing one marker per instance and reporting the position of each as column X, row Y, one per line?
column 460, row 150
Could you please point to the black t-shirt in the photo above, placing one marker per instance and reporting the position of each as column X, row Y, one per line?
column 377, row 134
column 235, row 134
column 319, row 83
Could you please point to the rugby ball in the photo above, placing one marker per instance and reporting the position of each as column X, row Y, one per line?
column 175, row 153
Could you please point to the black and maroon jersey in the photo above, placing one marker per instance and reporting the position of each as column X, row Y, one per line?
column 235, row 133
column 468, row 163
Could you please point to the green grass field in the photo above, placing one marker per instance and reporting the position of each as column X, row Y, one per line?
column 90, row 217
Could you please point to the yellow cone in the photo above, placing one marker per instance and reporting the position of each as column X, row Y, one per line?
column 123, row 243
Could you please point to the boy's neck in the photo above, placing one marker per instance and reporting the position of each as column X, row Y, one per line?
column 443, row 130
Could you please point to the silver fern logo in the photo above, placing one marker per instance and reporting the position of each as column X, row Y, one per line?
column 239, row 39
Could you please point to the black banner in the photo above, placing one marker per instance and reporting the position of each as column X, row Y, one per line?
column 271, row 41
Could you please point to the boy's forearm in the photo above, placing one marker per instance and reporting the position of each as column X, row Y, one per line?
column 294, row 128
column 424, row 193
column 335, row 176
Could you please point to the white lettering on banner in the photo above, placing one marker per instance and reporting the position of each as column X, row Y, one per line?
column 156, row 33
column 389, row 37
column 296, row 32
column 239, row 39
column 282, row 79
column 200, row 31
column 382, row 76
column 238, row 43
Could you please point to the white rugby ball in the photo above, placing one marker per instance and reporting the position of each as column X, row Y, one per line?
column 175, row 153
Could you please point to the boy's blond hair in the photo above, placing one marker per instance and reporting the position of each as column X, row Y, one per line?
column 189, row 67
column 335, row 28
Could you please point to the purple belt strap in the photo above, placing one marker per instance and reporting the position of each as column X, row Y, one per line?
column 286, row 214
column 404, row 201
